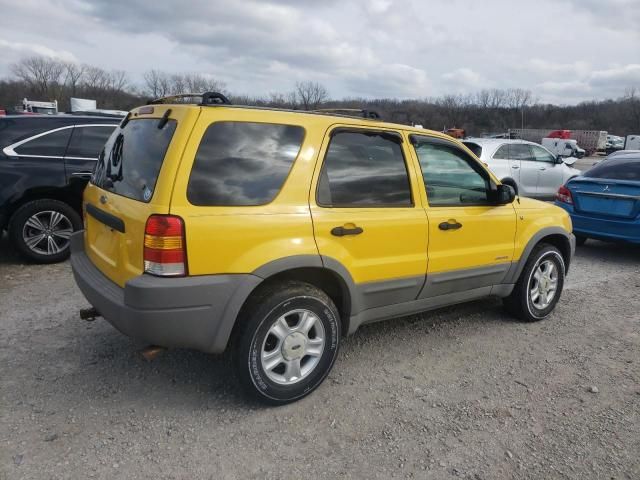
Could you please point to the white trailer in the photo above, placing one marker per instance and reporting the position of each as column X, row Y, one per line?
column 32, row 106
column 590, row 140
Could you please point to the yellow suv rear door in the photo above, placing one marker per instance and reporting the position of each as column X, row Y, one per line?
column 367, row 214
column 471, row 239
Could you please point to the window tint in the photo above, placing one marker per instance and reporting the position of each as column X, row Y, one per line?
column 52, row 144
column 520, row 151
column 451, row 177
column 364, row 169
column 88, row 142
column 541, row 155
column 242, row 163
column 130, row 162
column 616, row 169
column 514, row 151
column 502, row 153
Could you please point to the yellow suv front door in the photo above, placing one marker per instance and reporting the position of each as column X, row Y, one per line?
column 471, row 238
column 367, row 215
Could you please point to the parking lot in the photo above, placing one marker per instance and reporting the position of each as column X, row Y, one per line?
column 461, row 392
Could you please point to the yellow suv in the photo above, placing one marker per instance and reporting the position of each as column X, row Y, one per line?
column 277, row 232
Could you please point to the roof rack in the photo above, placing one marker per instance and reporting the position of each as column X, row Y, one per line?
column 351, row 112
column 207, row 98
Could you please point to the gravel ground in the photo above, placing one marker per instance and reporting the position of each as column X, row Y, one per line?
column 462, row 392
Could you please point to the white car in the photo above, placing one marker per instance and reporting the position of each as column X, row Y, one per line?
column 532, row 170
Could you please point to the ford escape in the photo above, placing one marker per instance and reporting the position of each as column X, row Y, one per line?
column 274, row 233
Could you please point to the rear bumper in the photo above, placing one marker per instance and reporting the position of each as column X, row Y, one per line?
column 603, row 228
column 191, row 312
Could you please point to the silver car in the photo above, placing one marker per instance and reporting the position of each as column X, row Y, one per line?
column 531, row 169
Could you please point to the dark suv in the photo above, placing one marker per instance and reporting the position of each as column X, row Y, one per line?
column 45, row 163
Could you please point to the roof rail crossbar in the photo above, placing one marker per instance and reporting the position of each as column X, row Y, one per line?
column 207, row 98
column 352, row 112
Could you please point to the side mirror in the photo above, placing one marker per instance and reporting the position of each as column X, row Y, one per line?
column 559, row 159
column 505, row 194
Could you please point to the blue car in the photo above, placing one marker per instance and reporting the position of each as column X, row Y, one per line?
column 604, row 202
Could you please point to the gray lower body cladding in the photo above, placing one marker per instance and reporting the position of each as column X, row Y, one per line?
column 192, row 312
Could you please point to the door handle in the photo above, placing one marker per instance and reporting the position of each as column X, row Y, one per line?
column 450, row 225
column 82, row 174
column 515, row 166
column 543, row 168
column 342, row 231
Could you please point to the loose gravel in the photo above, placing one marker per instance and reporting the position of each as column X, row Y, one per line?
column 461, row 392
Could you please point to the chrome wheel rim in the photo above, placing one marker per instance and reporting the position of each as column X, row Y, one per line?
column 47, row 232
column 544, row 284
column 293, row 347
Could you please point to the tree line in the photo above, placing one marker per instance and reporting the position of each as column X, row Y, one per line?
column 484, row 112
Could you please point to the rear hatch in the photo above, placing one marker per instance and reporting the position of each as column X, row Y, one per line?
column 609, row 198
column 133, row 180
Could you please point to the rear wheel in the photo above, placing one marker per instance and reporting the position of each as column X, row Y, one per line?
column 580, row 240
column 287, row 343
column 540, row 285
column 41, row 230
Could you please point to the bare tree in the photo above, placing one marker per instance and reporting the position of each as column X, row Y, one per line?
column 158, row 83
column 73, row 73
column 161, row 84
column 117, row 80
column 632, row 101
column 42, row 74
column 311, row 94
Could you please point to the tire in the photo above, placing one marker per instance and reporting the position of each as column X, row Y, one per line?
column 580, row 240
column 33, row 221
column 522, row 302
column 262, row 333
column 511, row 183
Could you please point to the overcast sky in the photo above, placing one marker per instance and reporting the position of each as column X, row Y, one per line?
column 564, row 51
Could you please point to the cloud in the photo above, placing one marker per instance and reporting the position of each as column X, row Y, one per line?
column 17, row 50
column 465, row 78
column 355, row 48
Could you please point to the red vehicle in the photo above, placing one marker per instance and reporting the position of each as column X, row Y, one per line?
column 563, row 134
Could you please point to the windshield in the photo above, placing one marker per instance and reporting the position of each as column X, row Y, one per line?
column 130, row 162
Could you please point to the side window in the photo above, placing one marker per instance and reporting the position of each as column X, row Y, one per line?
column 51, row 144
column 87, row 142
column 541, row 155
column 242, row 163
column 502, row 153
column 364, row 169
column 520, row 151
column 451, row 177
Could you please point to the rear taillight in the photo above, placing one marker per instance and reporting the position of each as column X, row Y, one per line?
column 165, row 252
column 564, row 195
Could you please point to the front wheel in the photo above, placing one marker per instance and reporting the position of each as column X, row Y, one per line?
column 540, row 285
column 287, row 343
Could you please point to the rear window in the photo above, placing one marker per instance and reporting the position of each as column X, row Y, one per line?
column 51, row 144
column 474, row 147
column 243, row 163
column 364, row 169
column 616, row 169
column 87, row 142
column 130, row 162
